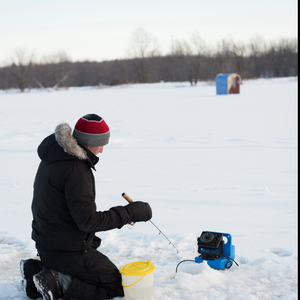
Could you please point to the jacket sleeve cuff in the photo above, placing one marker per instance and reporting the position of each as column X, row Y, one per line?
column 124, row 217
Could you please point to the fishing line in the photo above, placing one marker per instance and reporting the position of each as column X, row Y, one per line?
column 124, row 195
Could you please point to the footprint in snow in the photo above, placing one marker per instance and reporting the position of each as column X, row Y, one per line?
column 281, row 252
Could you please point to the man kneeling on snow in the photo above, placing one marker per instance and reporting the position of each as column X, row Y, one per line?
column 65, row 218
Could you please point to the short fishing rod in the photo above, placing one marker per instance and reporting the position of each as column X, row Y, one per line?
column 125, row 196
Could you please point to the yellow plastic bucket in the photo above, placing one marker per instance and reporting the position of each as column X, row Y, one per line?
column 137, row 280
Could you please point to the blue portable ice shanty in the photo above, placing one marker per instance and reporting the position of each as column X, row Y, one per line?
column 228, row 83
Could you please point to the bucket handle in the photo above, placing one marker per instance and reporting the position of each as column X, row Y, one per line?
column 133, row 283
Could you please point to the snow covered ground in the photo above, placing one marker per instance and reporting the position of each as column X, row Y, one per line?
column 204, row 162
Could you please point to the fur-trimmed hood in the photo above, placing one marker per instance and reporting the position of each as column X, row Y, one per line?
column 64, row 137
column 62, row 146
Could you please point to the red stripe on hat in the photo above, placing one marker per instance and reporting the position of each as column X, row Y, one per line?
column 92, row 127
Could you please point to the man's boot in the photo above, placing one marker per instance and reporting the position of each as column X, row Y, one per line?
column 28, row 268
column 48, row 285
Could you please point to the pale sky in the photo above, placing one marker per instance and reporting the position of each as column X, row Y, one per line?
column 101, row 30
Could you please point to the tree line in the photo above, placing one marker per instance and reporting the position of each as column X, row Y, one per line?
column 191, row 61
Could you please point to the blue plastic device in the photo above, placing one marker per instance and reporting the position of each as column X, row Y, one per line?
column 226, row 260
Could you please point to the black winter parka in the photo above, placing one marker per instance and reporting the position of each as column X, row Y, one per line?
column 65, row 217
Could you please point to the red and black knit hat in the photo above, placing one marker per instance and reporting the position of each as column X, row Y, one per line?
column 91, row 130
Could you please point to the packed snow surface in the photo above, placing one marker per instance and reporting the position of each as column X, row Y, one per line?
column 225, row 163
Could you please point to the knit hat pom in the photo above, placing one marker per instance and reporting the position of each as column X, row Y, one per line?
column 91, row 130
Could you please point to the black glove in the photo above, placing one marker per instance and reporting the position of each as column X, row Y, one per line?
column 139, row 211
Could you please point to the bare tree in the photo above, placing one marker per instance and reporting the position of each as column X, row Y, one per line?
column 257, row 49
column 193, row 54
column 238, row 50
column 177, row 61
column 222, row 58
column 198, row 51
column 22, row 63
column 61, row 66
column 144, row 46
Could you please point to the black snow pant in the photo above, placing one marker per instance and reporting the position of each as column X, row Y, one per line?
column 94, row 276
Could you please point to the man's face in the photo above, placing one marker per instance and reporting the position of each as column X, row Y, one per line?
column 96, row 150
